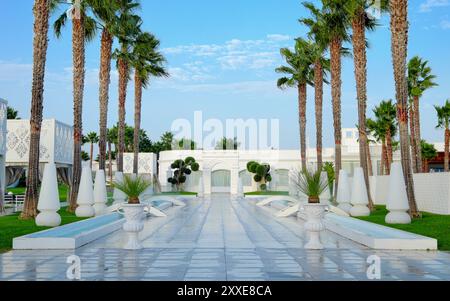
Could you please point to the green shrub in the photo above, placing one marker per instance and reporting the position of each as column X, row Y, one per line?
column 262, row 173
column 182, row 169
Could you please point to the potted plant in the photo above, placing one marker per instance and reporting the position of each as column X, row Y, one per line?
column 312, row 184
column 133, row 210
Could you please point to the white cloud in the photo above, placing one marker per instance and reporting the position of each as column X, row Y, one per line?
column 445, row 24
column 428, row 5
column 278, row 37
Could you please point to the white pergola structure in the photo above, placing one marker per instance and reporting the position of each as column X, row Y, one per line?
column 3, row 118
column 146, row 166
column 56, row 146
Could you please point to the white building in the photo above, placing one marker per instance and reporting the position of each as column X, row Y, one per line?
column 222, row 170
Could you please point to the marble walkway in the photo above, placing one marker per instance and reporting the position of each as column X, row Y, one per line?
column 224, row 239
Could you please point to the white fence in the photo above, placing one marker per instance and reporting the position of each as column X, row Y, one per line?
column 146, row 165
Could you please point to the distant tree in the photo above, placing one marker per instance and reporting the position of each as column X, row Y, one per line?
column 12, row 113
column 429, row 152
column 92, row 138
column 184, row 144
column 227, row 144
column 328, row 167
column 85, row 156
column 443, row 114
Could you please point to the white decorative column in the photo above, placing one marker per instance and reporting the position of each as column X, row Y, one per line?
column 200, row 187
column 234, row 180
column 207, row 181
column 85, row 194
column 343, row 194
column 100, row 194
column 118, row 195
column 397, row 200
column 359, row 199
column 49, row 202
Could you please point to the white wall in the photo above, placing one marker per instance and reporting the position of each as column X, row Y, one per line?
column 146, row 166
column 432, row 191
column 3, row 117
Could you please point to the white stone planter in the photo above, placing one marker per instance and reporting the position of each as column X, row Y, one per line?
column 359, row 200
column 49, row 204
column 100, row 194
column 134, row 215
column 397, row 200
column 314, row 225
column 85, row 198
column 343, row 194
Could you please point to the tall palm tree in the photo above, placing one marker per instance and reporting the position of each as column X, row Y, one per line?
column 429, row 152
column 128, row 28
column 360, row 22
column 399, row 44
column 317, row 33
column 92, row 138
column 443, row 114
column 110, row 140
column 105, row 13
column 378, row 132
column 83, row 30
column 336, row 21
column 299, row 74
column 147, row 61
column 41, row 12
column 420, row 79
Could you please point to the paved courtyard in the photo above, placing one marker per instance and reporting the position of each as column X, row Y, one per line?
column 224, row 239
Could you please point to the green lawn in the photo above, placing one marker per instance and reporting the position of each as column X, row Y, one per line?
column 431, row 225
column 63, row 189
column 11, row 226
column 179, row 193
column 262, row 193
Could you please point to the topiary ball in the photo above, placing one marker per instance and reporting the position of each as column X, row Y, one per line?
column 261, row 170
column 189, row 160
column 257, row 178
column 249, row 164
column 269, row 178
column 263, row 187
column 254, row 167
column 195, row 166
column 182, row 179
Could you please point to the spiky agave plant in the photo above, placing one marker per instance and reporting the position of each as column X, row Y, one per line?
column 311, row 184
column 133, row 187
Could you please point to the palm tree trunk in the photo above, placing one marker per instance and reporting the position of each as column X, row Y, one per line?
column 360, row 59
column 383, row 158
column 386, row 160
column 336, row 83
column 78, row 44
column 418, row 138
column 399, row 31
column 92, row 154
column 105, row 79
column 110, row 162
column 137, row 120
column 123, row 82
column 412, row 136
column 40, row 45
column 389, row 151
column 318, row 87
column 369, row 160
column 302, row 120
column 447, row 150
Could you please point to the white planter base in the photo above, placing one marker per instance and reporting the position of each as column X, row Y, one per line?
column 85, row 211
column 360, row 210
column 345, row 207
column 48, row 218
column 134, row 215
column 314, row 225
column 398, row 217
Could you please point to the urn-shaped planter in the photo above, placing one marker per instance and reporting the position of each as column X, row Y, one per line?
column 314, row 225
column 134, row 216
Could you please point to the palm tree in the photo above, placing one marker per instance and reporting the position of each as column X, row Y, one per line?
column 105, row 13
column 41, row 12
column 11, row 113
column 321, row 64
column 83, row 30
column 385, row 115
column 443, row 114
column 429, row 152
column 110, row 139
column 147, row 62
column 299, row 74
column 336, row 21
column 399, row 42
column 377, row 130
column 128, row 28
column 92, row 138
column 420, row 79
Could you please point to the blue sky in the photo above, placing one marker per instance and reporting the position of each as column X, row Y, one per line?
column 221, row 55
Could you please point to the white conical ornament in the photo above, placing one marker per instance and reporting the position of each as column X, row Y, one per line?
column 325, row 197
column 343, row 194
column 397, row 199
column 118, row 195
column 359, row 198
column 85, row 198
column 100, row 194
column 49, row 203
